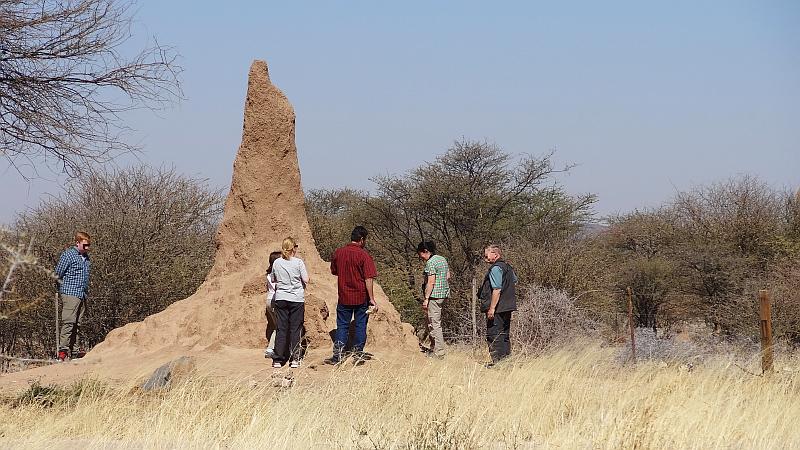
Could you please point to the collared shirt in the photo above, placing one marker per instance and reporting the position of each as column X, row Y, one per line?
column 437, row 265
column 73, row 271
column 352, row 265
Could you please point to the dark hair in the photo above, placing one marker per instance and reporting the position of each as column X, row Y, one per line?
column 427, row 246
column 272, row 257
column 358, row 233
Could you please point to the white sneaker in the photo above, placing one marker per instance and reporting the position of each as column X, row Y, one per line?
column 294, row 364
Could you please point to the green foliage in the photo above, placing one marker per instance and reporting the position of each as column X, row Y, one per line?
column 332, row 215
column 49, row 396
column 396, row 284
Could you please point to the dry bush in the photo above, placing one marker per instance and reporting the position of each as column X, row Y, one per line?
column 547, row 317
column 693, row 345
column 783, row 286
column 152, row 244
column 707, row 254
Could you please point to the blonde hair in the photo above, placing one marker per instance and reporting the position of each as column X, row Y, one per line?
column 81, row 236
column 287, row 247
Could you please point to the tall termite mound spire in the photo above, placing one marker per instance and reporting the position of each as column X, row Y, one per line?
column 266, row 201
column 265, row 204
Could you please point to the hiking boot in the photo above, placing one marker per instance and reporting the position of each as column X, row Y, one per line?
column 62, row 355
column 362, row 355
column 332, row 361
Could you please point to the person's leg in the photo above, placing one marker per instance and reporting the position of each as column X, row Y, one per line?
column 506, row 334
column 281, row 353
column 296, row 317
column 69, row 317
column 272, row 326
column 79, row 314
column 360, row 319
column 343, row 315
column 493, row 327
column 435, row 318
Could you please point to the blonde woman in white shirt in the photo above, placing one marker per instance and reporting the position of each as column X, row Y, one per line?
column 290, row 276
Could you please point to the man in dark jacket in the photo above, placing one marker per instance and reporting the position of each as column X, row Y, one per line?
column 498, row 300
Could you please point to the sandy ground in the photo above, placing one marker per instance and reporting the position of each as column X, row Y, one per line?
column 227, row 365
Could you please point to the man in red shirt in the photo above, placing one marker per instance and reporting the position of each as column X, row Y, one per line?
column 355, row 271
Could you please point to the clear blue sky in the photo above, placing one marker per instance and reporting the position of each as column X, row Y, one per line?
column 646, row 97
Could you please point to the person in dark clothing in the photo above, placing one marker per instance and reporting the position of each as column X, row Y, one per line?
column 498, row 301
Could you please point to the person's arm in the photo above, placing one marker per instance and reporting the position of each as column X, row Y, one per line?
column 370, row 292
column 61, row 267
column 61, row 270
column 428, row 290
column 333, row 264
column 493, row 304
column 303, row 272
column 370, row 273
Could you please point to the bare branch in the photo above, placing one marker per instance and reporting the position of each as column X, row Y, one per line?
column 64, row 81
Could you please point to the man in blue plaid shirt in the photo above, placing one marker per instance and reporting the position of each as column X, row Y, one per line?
column 73, row 277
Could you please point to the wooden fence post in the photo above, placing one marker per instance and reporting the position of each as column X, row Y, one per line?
column 58, row 328
column 631, row 325
column 765, row 313
column 474, row 317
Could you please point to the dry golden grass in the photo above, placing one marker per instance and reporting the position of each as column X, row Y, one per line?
column 565, row 399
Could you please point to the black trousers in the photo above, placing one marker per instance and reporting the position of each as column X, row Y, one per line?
column 498, row 335
column 290, row 317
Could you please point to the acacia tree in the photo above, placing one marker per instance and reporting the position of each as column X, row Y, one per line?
column 65, row 80
column 473, row 194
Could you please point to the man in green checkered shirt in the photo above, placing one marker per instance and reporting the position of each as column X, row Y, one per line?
column 436, row 289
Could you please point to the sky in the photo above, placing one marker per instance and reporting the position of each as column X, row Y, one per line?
column 647, row 98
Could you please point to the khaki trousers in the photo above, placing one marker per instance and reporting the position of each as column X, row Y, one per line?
column 72, row 312
column 435, row 323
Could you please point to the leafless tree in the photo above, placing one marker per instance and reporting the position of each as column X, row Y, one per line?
column 65, row 81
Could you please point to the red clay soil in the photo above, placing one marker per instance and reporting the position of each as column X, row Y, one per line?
column 223, row 322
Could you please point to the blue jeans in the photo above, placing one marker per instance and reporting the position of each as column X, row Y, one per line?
column 343, row 315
